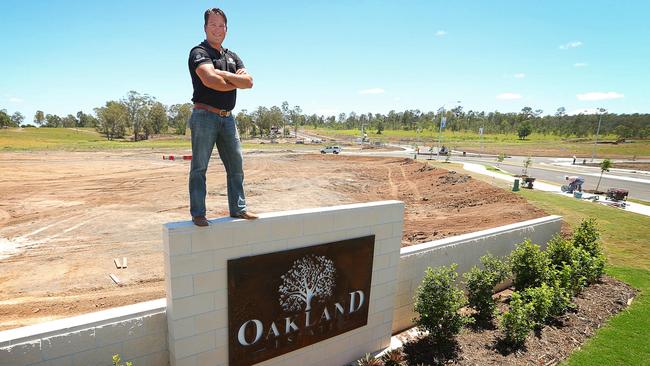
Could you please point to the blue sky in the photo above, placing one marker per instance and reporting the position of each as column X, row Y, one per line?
column 334, row 56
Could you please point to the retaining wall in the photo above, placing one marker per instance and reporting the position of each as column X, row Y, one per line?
column 139, row 332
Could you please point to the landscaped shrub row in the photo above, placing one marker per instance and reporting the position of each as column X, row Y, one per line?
column 545, row 283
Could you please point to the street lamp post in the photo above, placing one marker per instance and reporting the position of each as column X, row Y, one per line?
column 443, row 120
column 600, row 117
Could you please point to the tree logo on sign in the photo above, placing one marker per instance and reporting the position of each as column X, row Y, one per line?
column 310, row 277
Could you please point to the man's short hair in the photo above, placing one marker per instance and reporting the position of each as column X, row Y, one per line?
column 215, row 11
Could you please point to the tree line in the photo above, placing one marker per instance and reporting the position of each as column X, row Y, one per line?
column 141, row 115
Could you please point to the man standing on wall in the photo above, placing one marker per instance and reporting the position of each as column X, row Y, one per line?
column 216, row 74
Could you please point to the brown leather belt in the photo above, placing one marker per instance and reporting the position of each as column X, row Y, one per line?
column 220, row 112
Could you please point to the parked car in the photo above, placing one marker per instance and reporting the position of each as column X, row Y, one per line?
column 331, row 149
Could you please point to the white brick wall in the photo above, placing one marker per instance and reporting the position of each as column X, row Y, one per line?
column 464, row 250
column 196, row 260
column 137, row 332
column 197, row 321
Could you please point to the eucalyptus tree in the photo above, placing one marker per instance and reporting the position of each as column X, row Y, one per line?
column 39, row 118
column 112, row 120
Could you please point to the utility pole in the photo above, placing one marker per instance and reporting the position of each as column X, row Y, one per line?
column 480, row 132
column 600, row 117
column 443, row 123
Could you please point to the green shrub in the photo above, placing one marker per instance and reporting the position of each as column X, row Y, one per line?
column 589, row 253
column 368, row 360
column 563, row 285
column 437, row 301
column 394, row 357
column 567, row 265
column 516, row 323
column 586, row 236
column 590, row 267
column 117, row 361
column 541, row 300
column 480, row 285
column 530, row 266
column 560, row 251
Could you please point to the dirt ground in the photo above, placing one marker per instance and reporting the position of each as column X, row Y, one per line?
column 64, row 216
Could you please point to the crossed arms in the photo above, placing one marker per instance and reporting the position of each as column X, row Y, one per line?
column 223, row 80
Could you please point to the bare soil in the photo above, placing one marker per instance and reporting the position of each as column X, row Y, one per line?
column 64, row 216
column 638, row 165
column 546, row 346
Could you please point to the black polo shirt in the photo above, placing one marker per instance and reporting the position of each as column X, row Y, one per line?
column 227, row 61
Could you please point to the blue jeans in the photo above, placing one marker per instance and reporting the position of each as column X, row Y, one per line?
column 209, row 129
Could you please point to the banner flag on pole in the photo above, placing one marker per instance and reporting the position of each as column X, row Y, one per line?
column 443, row 122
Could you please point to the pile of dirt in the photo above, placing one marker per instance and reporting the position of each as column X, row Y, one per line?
column 438, row 202
column 453, row 178
column 548, row 346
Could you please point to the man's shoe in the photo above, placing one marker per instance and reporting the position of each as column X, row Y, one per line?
column 200, row 221
column 245, row 216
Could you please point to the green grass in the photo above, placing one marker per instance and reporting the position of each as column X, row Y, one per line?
column 626, row 240
column 14, row 139
column 535, row 144
column 35, row 139
column 495, row 169
column 641, row 202
column 624, row 340
column 625, row 235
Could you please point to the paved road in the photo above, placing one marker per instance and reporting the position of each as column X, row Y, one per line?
column 551, row 170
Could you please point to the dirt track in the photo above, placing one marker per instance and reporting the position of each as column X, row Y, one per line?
column 64, row 216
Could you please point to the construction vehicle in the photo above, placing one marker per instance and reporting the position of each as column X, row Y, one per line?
column 616, row 194
column 527, row 182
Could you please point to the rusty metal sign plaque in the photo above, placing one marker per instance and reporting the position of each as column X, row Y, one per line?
column 283, row 301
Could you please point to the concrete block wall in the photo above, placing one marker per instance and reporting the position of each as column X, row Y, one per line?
column 464, row 250
column 137, row 332
column 196, row 278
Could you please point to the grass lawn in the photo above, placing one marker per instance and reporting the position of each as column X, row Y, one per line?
column 20, row 139
column 626, row 240
column 31, row 139
column 641, row 202
column 535, row 144
column 624, row 340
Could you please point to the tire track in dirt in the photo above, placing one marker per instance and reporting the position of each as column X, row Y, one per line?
column 410, row 183
column 394, row 189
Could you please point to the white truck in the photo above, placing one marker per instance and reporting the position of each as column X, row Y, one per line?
column 331, row 149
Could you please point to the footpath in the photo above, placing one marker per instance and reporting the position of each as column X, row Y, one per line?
column 546, row 187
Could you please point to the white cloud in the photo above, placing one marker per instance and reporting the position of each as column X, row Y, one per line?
column 372, row 91
column 16, row 100
column 441, row 33
column 574, row 44
column 599, row 96
column 580, row 64
column 509, row 96
column 520, row 75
